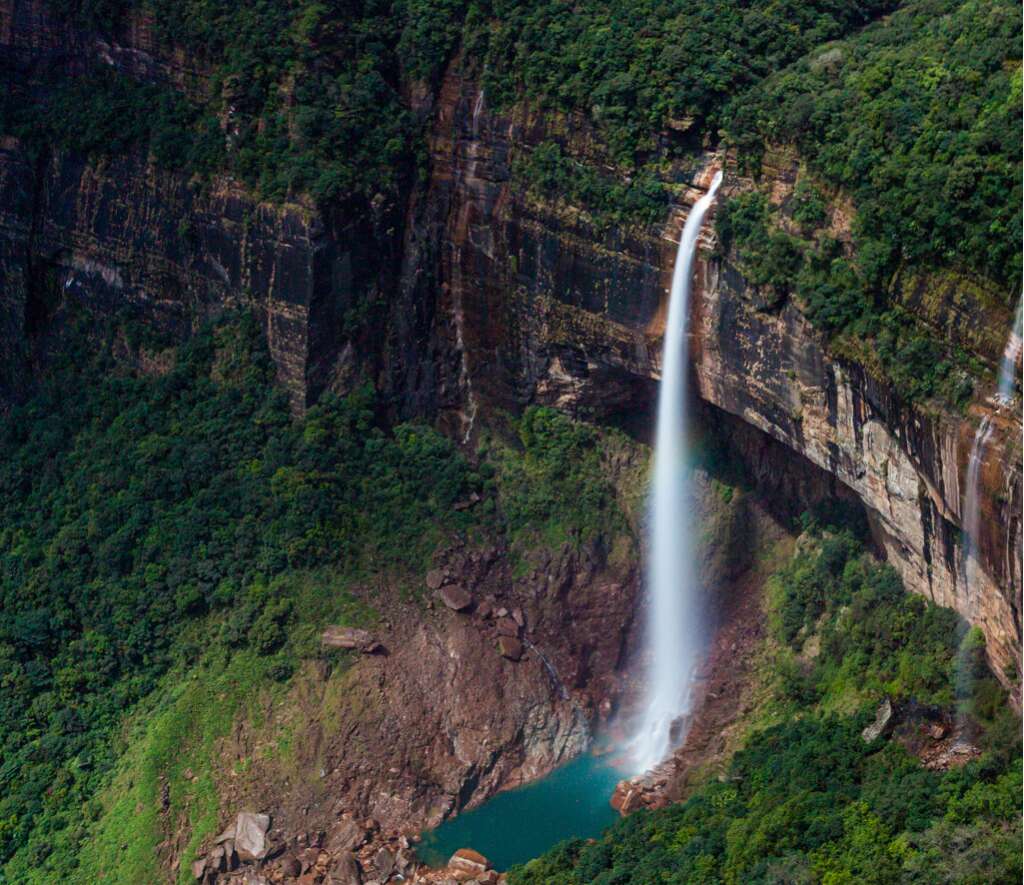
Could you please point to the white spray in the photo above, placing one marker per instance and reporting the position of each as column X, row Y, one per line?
column 675, row 617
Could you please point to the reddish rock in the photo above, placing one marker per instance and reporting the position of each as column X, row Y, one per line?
column 346, row 836
column 347, row 637
column 507, row 627
column 628, row 796
column 456, row 598
column 510, row 647
column 435, row 579
column 345, row 870
column 466, row 861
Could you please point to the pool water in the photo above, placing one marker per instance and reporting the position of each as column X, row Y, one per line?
column 520, row 824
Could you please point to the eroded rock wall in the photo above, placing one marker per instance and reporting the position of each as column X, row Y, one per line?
column 552, row 310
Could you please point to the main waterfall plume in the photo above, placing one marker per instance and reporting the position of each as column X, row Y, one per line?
column 675, row 622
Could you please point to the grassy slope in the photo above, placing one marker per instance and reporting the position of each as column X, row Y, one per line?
column 172, row 547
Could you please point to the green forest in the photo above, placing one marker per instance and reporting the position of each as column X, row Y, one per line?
column 170, row 538
column 154, row 527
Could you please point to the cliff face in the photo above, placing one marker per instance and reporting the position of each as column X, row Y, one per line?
column 133, row 239
column 493, row 299
column 541, row 307
column 130, row 238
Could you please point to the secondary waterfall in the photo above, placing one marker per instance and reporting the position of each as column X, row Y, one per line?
column 972, row 521
column 675, row 621
column 972, row 490
column 971, row 509
column 1008, row 364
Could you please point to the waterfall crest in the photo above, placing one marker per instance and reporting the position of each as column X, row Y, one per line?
column 675, row 622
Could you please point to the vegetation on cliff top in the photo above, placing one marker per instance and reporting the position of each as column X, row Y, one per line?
column 798, row 256
column 918, row 119
column 916, row 115
column 807, row 800
column 301, row 97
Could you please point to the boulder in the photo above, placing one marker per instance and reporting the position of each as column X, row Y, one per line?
column 384, row 863
column 346, row 836
column 345, row 870
column 510, row 647
column 519, row 617
column 466, row 861
column 456, row 598
column 507, row 627
column 291, row 868
column 347, row 637
column 435, row 579
column 629, row 795
column 883, row 724
column 199, row 868
column 466, row 503
column 215, row 860
column 251, row 835
column 307, row 858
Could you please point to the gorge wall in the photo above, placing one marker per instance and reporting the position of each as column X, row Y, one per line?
column 483, row 297
column 552, row 310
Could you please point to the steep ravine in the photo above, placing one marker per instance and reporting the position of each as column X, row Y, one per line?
column 488, row 299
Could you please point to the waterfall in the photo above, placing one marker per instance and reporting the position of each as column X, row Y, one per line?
column 675, row 622
column 971, row 522
column 1008, row 364
column 971, row 510
column 972, row 518
column 556, row 682
column 467, row 415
